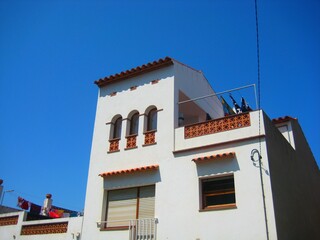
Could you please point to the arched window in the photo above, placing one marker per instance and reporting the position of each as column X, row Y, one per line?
column 152, row 119
column 134, row 124
column 117, row 128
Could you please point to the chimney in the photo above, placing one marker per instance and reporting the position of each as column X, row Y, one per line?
column 46, row 205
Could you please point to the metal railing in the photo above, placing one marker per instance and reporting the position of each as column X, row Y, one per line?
column 139, row 229
column 143, row 229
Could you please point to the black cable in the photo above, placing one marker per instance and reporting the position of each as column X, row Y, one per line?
column 259, row 108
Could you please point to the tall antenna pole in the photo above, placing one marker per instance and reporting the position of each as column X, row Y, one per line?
column 258, row 53
column 259, row 107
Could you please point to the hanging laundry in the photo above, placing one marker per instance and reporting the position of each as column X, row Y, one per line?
column 244, row 105
column 236, row 106
column 55, row 213
column 226, row 107
column 22, row 203
column 64, row 209
column 34, row 208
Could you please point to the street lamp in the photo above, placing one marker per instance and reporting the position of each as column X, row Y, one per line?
column 4, row 192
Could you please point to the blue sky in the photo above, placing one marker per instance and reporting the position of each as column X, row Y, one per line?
column 52, row 51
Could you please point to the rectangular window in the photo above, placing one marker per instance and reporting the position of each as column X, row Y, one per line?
column 217, row 193
column 128, row 204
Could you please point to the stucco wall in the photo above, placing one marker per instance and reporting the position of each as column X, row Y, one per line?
column 146, row 94
column 177, row 180
column 295, row 182
column 179, row 215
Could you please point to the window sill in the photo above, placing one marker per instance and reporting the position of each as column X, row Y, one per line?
column 114, row 139
column 145, row 145
column 113, row 151
column 219, row 207
column 132, row 135
column 114, row 228
column 150, row 131
column 130, row 148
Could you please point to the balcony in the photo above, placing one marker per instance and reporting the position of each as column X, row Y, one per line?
column 217, row 125
column 45, row 228
column 217, row 131
column 143, row 229
column 138, row 229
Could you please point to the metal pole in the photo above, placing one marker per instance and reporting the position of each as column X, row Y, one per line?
column 255, row 95
column 4, row 194
column 216, row 94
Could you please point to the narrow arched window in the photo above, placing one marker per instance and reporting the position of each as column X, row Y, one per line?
column 152, row 119
column 134, row 124
column 117, row 128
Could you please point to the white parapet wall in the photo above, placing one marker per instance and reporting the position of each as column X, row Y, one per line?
column 14, row 226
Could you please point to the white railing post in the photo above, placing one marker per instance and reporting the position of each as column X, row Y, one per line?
column 139, row 229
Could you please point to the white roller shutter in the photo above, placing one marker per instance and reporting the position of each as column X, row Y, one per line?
column 122, row 206
column 146, row 202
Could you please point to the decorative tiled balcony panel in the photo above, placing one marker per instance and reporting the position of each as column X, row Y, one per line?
column 150, row 138
column 131, row 141
column 217, row 125
column 49, row 228
column 114, row 145
column 12, row 220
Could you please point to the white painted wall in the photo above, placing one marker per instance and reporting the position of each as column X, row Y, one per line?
column 286, row 130
column 147, row 94
column 295, row 179
column 178, row 210
column 177, row 181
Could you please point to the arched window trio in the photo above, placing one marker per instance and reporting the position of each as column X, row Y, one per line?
column 132, row 130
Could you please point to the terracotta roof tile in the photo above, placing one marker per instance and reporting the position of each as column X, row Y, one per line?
column 282, row 119
column 135, row 71
column 215, row 157
column 131, row 170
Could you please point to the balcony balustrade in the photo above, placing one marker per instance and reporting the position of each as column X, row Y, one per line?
column 150, row 137
column 131, row 141
column 217, row 125
column 138, row 229
column 47, row 228
column 114, row 145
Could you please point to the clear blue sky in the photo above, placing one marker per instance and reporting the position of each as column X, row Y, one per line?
column 52, row 51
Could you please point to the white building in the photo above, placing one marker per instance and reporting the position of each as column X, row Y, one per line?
column 159, row 169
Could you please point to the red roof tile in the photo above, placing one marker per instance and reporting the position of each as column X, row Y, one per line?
column 215, row 157
column 282, row 119
column 131, row 170
column 135, row 71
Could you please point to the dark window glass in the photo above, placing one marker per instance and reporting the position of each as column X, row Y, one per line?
column 218, row 191
column 152, row 120
column 117, row 128
column 134, row 124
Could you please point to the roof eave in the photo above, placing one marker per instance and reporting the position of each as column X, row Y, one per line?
column 161, row 63
column 282, row 119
